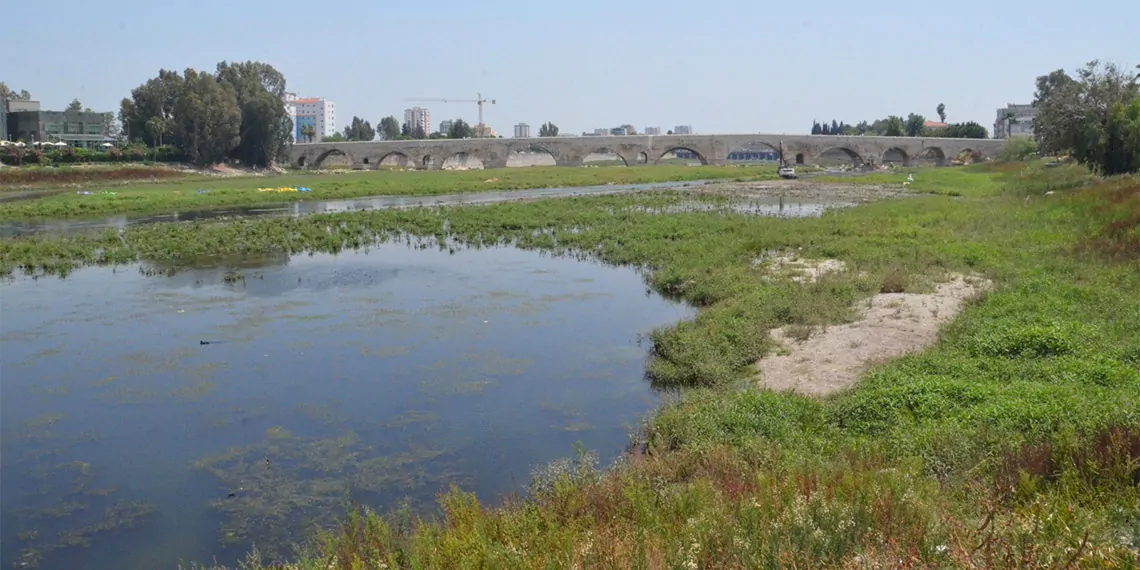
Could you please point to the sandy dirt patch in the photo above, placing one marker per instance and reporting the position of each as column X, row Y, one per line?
column 799, row 269
column 891, row 324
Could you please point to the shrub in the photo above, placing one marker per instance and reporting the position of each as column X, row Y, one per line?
column 1018, row 149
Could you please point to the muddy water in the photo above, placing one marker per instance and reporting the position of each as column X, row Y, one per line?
column 325, row 380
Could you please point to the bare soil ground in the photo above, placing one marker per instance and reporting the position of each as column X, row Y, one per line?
column 890, row 325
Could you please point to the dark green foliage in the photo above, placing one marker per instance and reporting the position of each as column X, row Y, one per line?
column 1095, row 117
column 460, row 130
column 242, row 118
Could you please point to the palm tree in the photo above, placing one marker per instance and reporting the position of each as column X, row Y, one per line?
column 156, row 127
column 308, row 131
column 1009, row 119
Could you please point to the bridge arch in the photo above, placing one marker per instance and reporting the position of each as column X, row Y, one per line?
column 428, row 162
column 895, row 155
column 462, row 161
column 605, row 154
column 321, row 158
column 752, row 151
column 837, row 153
column 930, row 155
column 701, row 157
column 522, row 156
column 968, row 156
column 393, row 159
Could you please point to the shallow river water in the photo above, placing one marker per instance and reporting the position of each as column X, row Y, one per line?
column 324, row 381
column 767, row 206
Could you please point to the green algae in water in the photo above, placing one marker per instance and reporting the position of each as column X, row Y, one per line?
column 285, row 486
column 69, row 514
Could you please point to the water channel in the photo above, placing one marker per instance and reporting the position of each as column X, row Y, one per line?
column 768, row 206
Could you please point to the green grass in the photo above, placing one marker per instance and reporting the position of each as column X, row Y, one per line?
column 1012, row 443
column 242, row 191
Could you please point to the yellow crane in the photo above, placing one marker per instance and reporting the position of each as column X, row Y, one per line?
column 478, row 100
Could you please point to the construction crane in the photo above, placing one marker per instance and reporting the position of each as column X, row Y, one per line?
column 478, row 100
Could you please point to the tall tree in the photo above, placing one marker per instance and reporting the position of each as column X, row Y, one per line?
column 816, row 128
column 548, row 129
column 941, row 110
column 7, row 93
column 75, row 105
column 207, row 117
column 419, row 132
column 914, row 124
column 309, row 131
column 265, row 125
column 155, row 98
column 359, row 130
column 389, row 128
column 894, row 127
column 156, row 128
column 1088, row 116
column 460, row 130
column 406, row 130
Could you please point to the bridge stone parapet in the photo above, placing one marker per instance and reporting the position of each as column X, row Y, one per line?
column 642, row 149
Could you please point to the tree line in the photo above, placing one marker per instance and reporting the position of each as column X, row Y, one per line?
column 234, row 113
column 391, row 129
column 1094, row 117
column 914, row 125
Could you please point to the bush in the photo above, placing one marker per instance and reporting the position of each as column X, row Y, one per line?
column 1018, row 149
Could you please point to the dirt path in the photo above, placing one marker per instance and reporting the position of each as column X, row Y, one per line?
column 894, row 324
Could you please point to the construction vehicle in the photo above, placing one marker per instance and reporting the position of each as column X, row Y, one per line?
column 786, row 171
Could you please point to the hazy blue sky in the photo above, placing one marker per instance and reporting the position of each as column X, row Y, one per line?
column 727, row 66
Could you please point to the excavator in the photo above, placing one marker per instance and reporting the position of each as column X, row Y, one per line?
column 786, row 171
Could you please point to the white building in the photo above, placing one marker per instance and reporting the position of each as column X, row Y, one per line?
column 445, row 126
column 1022, row 124
column 318, row 112
column 683, row 130
column 652, row 130
column 522, row 131
column 418, row 117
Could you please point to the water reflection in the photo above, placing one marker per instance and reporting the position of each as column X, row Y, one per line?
column 379, row 378
column 12, row 228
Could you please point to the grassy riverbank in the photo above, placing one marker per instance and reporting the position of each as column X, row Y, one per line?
column 222, row 192
column 1014, row 442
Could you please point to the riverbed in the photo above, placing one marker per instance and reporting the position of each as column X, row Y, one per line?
column 148, row 420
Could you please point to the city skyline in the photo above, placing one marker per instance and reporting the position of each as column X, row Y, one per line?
column 578, row 84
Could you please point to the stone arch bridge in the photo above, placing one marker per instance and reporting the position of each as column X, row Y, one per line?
column 644, row 149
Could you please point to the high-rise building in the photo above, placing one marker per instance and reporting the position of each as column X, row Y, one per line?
column 418, row 118
column 522, row 131
column 1021, row 125
column 683, row 130
column 445, row 126
column 316, row 112
column 652, row 130
column 602, row 132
